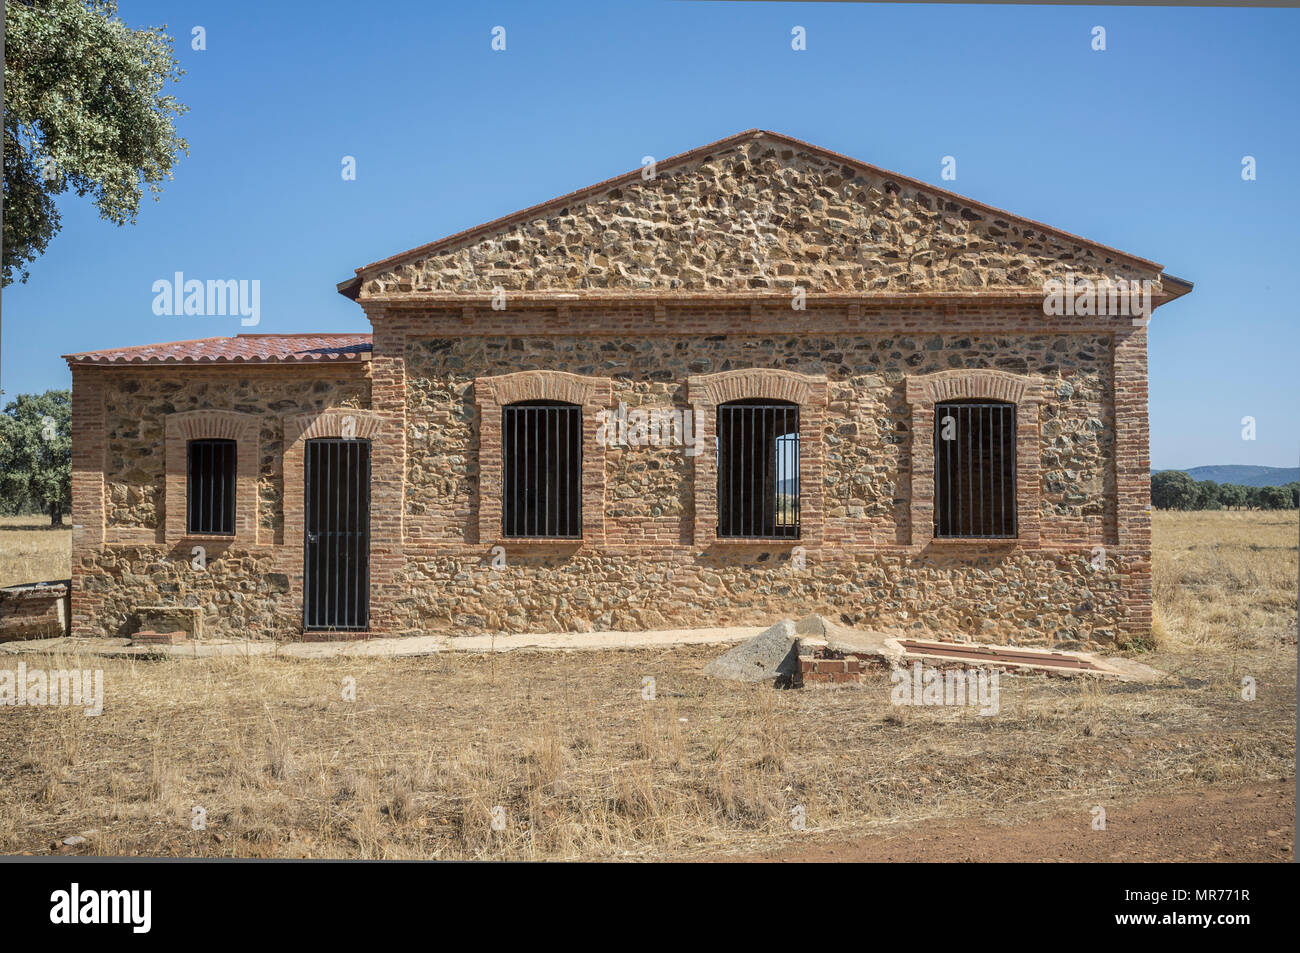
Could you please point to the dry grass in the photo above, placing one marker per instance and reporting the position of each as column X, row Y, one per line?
column 583, row 768
column 1224, row 580
column 32, row 551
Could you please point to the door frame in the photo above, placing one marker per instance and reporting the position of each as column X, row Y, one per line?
column 358, row 576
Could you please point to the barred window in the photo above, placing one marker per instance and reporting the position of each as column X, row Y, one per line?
column 758, row 469
column 542, row 466
column 211, row 487
column 975, row 469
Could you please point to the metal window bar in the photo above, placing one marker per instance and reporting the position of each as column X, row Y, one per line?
column 975, row 470
column 542, row 470
column 758, row 470
column 210, row 487
column 337, row 558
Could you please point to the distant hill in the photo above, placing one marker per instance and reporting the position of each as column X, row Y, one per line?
column 1246, row 476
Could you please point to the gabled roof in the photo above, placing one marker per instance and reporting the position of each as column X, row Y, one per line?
column 240, row 349
column 352, row 287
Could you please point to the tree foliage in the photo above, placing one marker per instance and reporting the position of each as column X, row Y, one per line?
column 84, row 109
column 36, row 454
column 1175, row 490
column 1172, row 490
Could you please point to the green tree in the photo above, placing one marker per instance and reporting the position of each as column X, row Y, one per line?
column 36, row 453
column 1207, row 495
column 1232, row 496
column 1274, row 498
column 85, row 109
column 1172, row 490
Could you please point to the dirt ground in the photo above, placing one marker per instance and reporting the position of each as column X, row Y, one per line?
column 1255, row 822
column 557, row 755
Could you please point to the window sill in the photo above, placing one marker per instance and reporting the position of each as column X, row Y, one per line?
column 538, row 541
column 768, row 541
column 975, row 540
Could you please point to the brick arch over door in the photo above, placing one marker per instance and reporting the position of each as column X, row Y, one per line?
column 592, row 394
column 183, row 427
column 298, row 429
column 707, row 391
column 1024, row 392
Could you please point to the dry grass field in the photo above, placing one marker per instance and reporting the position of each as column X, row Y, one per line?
column 33, row 551
column 281, row 765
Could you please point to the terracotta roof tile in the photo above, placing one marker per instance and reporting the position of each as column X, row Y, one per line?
column 240, row 349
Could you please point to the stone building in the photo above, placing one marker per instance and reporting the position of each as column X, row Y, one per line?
column 757, row 379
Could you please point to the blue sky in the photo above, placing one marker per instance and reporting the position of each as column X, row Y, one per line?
column 1139, row 147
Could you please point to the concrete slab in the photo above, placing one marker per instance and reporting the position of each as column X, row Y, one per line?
column 810, row 633
column 404, row 647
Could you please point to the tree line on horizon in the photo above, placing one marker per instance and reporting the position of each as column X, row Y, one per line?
column 1176, row 490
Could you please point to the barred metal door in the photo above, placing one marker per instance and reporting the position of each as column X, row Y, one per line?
column 336, row 583
column 758, row 470
column 975, row 470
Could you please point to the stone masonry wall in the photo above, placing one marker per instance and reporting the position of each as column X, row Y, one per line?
column 136, row 409
column 123, row 557
column 759, row 213
column 866, row 434
column 647, row 570
column 866, row 573
column 998, row 595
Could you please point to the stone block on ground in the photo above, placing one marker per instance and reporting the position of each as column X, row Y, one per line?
column 773, row 655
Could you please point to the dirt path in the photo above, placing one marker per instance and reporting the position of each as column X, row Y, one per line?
column 1253, row 823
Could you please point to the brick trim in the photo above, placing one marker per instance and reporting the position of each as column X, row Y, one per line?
column 763, row 383
column 706, row 392
column 923, row 392
column 1133, row 479
column 180, row 429
column 89, row 454
column 388, row 399
column 298, row 429
column 592, row 394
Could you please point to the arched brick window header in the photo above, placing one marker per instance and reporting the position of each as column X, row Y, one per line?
column 180, row 429
column 543, row 385
column 337, row 422
column 764, row 383
column 973, row 384
column 926, row 390
column 592, row 394
column 707, row 392
column 211, row 424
